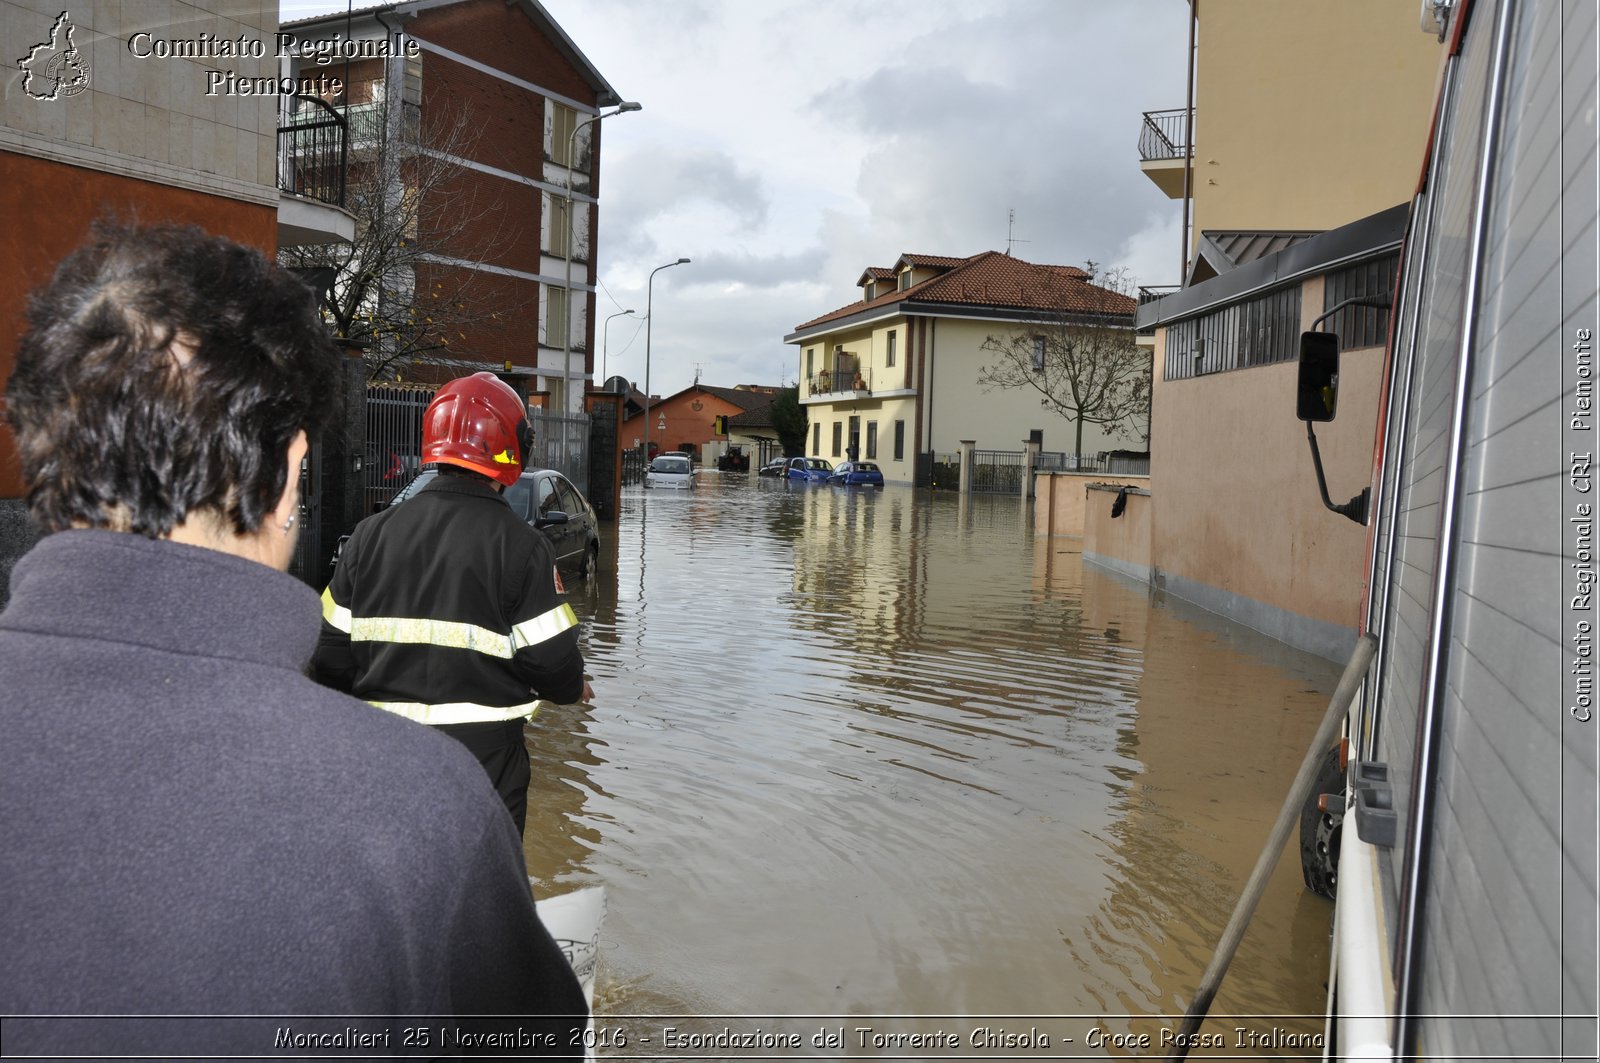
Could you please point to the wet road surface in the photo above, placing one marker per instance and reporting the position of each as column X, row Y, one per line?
column 876, row 753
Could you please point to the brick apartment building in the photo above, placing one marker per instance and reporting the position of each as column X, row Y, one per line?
column 487, row 98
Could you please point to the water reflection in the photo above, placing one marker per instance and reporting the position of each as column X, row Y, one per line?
column 876, row 752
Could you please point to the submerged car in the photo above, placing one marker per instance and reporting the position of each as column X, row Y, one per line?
column 864, row 473
column 816, row 469
column 670, row 470
column 775, row 467
column 548, row 501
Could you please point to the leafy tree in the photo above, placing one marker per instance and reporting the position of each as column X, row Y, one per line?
column 1084, row 365
column 789, row 421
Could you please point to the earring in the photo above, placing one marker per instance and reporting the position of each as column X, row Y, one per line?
column 288, row 525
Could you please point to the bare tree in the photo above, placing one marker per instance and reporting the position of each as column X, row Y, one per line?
column 414, row 206
column 1083, row 362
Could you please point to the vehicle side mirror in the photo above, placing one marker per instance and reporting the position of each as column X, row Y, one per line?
column 555, row 516
column 1317, row 393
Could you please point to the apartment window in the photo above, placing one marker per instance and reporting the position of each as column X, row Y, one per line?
column 1038, row 354
column 888, row 358
column 872, row 438
column 556, row 238
column 838, row 436
column 555, row 316
column 816, row 438
column 809, row 352
column 563, row 120
column 899, row 441
column 905, row 279
column 869, row 291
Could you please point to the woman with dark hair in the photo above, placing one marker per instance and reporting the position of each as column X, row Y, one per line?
column 191, row 826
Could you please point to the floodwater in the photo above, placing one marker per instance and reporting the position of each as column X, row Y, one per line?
column 864, row 754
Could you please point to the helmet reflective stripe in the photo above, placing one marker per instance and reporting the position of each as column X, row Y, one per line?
column 457, row 712
column 455, row 635
column 334, row 613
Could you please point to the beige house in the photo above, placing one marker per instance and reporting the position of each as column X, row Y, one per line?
column 897, row 374
column 1309, row 122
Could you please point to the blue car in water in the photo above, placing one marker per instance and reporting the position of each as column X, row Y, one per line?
column 809, row 469
column 862, row 473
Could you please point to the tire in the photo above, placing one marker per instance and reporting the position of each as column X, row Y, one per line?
column 591, row 564
column 1319, row 831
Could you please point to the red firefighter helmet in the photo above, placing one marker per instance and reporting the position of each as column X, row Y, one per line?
column 478, row 423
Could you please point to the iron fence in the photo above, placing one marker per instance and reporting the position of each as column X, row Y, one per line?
column 394, row 440
column 1165, row 135
column 998, row 471
column 313, row 149
column 1122, row 462
column 843, row 380
column 561, row 442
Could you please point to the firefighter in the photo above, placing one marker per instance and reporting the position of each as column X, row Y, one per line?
column 446, row 610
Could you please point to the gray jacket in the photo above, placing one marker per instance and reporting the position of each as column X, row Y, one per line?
column 190, row 826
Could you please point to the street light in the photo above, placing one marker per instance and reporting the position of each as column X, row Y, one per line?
column 648, row 321
column 572, row 150
column 605, row 343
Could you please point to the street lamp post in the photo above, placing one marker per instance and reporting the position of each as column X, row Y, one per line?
column 605, row 342
column 566, row 343
column 649, row 293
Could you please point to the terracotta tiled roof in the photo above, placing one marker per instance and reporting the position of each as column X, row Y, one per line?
column 876, row 273
column 991, row 279
column 937, row 261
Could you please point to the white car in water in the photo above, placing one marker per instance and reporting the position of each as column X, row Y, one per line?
column 670, row 470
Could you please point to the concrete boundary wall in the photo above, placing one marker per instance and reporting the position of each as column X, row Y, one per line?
column 1060, row 498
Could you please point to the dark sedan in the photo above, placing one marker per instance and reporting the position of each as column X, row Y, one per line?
column 548, row 501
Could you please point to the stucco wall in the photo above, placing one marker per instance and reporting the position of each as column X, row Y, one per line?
column 1060, row 499
column 1238, row 507
column 998, row 420
column 1347, row 137
column 1123, row 542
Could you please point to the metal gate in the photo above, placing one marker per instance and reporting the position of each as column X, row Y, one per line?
column 561, row 442
column 394, row 440
column 998, row 470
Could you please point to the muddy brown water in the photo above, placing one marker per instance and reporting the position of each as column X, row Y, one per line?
column 864, row 754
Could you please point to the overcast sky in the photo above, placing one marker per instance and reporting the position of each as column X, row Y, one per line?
column 786, row 145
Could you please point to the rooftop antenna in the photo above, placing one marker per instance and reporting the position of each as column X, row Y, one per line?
column 1011, row 225
column 697, row 374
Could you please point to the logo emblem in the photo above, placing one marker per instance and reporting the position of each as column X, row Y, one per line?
column 54, row 68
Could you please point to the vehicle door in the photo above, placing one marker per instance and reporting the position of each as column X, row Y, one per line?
column 547, row 500
column 580, row 519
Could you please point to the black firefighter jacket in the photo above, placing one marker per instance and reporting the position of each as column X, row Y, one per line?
column 444, row 610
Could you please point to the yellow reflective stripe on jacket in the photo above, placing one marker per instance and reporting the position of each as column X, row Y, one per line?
column 334, row 613
column 447, row 633
column 544, row 626
column 456, row 712
column 455, row 635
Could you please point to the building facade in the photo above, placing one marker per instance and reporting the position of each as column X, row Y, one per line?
column 121, row 112
column 473, row 131
column 1309, row 121
column 898, row 376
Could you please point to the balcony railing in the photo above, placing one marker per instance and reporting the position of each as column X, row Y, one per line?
column 1149, row 293
column 846, row 381
column 313, row 150
column 1166, row 135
